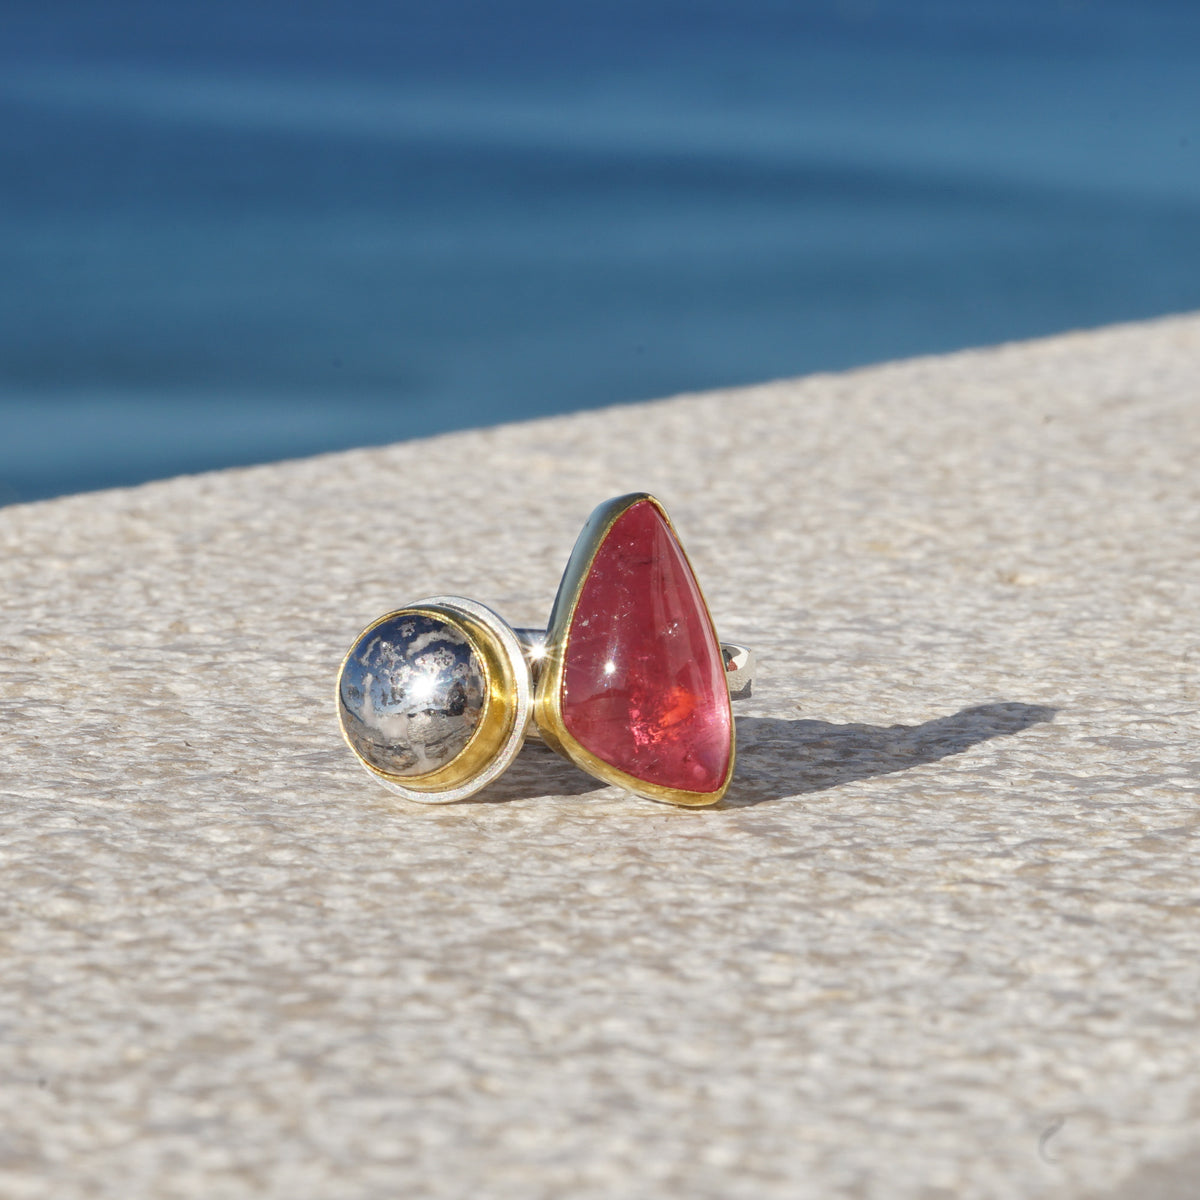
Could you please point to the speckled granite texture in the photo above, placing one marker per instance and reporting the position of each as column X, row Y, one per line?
column 943, row 940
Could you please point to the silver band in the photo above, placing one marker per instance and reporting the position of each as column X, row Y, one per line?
column 739, row 661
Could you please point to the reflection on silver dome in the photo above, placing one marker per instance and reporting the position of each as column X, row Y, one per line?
column 411, row 694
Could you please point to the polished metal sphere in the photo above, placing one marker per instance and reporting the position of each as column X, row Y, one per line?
column 411, row 694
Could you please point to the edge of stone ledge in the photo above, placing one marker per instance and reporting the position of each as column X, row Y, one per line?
column 1065, row 341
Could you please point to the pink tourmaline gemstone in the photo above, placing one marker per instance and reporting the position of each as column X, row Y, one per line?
column 643, row 684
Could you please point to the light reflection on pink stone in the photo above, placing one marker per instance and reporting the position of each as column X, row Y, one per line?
column 643, row 679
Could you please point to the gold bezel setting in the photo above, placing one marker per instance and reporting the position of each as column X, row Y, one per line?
column 503, row 722
column 548, row 694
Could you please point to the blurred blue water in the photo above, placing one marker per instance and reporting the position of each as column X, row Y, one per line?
column 234, row 232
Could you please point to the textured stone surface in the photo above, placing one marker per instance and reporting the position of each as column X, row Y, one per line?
column 941, row 939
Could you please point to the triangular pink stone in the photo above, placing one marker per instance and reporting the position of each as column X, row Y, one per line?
column 643, row 683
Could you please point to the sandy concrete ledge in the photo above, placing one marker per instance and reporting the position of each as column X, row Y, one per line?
column 943, row 939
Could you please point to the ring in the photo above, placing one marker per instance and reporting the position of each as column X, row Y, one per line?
column 628, row 681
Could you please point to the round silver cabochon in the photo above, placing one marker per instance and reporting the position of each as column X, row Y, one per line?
column 413, row 689
column 411, row 693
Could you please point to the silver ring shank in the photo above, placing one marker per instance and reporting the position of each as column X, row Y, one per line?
column 739, row 661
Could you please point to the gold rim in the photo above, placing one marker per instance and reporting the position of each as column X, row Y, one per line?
column 548, row 698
